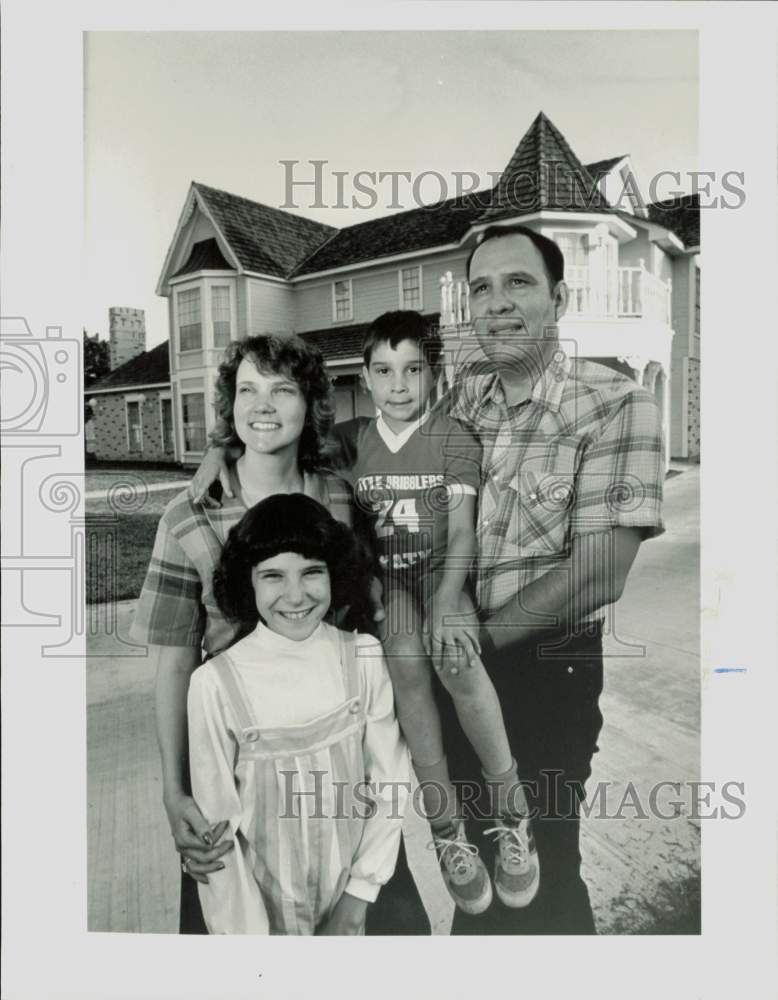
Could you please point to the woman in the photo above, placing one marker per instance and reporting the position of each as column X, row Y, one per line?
column 274, row 409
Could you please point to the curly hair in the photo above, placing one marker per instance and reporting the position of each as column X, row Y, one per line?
column 279, row 355
column 291, row 523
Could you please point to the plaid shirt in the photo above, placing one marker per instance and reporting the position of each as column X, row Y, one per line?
column 177, row 605
column 583, row 454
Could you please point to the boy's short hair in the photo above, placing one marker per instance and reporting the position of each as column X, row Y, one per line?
column 403, row 324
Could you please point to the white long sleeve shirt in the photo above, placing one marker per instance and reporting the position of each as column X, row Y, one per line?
column 289, row 683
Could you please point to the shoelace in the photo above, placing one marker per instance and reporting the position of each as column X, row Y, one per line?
column 461, row 853
column 516, row 846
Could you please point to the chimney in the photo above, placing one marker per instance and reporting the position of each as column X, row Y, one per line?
column 127, row 334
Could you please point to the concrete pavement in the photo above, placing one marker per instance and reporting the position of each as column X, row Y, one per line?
column 641, row 871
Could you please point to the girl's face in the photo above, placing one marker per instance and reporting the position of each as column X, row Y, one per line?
column 292, row 593
column 269, row 410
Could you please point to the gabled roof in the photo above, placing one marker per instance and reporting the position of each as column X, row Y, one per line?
column 205, row 256
column 265, row 240
column 681, row 215
column 149, row 368
column 402, row 232
column 603, row 167
column 544, row 174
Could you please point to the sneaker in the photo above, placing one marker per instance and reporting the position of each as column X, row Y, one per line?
column 516, row 867
column 464, row 873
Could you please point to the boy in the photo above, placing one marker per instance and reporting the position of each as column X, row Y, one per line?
column 416, row 472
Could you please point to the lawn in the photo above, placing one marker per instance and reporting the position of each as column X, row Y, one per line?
column 121, row 579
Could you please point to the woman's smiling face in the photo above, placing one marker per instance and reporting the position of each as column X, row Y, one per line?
column 269, row 409
column 292, row 594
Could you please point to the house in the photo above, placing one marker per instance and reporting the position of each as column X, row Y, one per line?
column 236, row 267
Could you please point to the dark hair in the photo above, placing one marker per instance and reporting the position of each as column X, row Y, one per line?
column 553, row 258
column 285, row 355
column 290, row 523
column 403, row 324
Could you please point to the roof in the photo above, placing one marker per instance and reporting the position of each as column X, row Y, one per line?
column 205, row 256
column 403, row 232
column 344, row 341
column 544, row 174
column 149, row 368
column 602, row 167
column 681, row 215
column 265, row 240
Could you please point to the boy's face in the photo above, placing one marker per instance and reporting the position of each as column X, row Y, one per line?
column 400, row 382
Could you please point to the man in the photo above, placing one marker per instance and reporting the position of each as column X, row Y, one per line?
column 571, row 484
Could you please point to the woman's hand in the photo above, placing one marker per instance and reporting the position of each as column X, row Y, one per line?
column 347, row 917
column 212, row 467
column 201, row 846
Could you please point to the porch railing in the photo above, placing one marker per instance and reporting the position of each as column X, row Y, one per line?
column 620, row 292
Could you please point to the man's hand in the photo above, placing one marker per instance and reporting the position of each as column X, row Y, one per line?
column 212, row 467
column 451, row 639
column 347, row 917
column 200, row 845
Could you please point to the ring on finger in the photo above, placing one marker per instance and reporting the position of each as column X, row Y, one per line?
column 184, row 862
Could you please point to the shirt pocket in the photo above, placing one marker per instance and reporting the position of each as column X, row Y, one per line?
column 546, row 493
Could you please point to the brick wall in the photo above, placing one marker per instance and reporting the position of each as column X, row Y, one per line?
column 110, row 424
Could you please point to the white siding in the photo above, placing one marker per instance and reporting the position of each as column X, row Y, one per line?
column 271, row 307
column 375, row 290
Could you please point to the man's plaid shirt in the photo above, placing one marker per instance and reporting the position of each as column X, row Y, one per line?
column 177, row 606
column 583, row 454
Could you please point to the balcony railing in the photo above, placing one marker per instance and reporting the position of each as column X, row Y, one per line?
column 622, row 292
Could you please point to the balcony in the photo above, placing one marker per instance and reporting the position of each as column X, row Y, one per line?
column 630, row 293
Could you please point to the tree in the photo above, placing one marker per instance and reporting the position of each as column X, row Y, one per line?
column 97, row 363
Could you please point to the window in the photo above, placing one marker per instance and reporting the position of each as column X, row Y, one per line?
column 193, row 413
column 220, row 315
column 190, row 329
column 410, row 288
column 341, row 300
column 166, row 423
column 134, row 427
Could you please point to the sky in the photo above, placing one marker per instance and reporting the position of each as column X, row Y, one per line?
column 162, row 109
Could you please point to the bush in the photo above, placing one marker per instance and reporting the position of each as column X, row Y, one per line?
column 116, row 570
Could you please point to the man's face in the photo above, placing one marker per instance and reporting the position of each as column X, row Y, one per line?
column 513, row 308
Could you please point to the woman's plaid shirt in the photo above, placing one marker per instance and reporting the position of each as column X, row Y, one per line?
column 583, row 454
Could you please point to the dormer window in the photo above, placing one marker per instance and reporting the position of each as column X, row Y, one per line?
column 342, row 307
column 190, row 327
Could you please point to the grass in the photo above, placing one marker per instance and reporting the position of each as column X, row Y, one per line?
column 119, row 578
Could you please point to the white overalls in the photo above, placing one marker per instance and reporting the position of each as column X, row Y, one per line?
column 302, row 805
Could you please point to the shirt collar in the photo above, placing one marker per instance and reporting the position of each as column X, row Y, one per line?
column 392, row 440
column 483, row 389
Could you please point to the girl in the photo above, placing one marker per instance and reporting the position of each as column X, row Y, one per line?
column 274, row 408
column 293, row 735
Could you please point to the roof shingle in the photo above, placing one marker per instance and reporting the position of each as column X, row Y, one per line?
column 149, row 368
column 602, row 167
column 544, row 174
column 265, row 240
column 680, row 214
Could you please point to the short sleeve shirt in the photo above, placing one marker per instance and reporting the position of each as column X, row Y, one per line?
column 583, row 454
column 177, row 606
column 407, row 484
